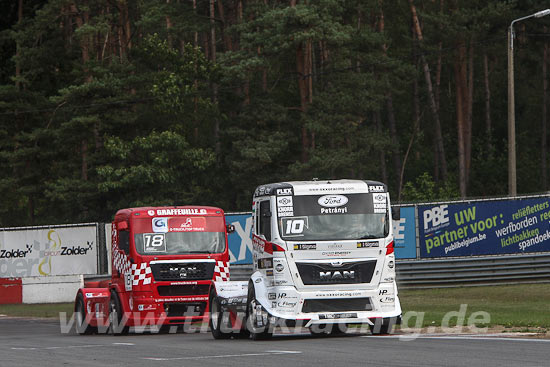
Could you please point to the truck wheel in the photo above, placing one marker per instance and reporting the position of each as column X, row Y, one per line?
column 218, row 320
column 82, row 325
column 258, row 332
column 383, row 326
column 117, row 323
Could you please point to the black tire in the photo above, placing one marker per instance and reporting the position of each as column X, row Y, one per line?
column 383, row 326
column 218, row 319
column 117, row 321
column 82, row 325
column 257, row 332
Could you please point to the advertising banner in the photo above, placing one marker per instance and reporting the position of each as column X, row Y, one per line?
column 48, row 252
column 484, row 228
column 404, row 234
column 240, row 241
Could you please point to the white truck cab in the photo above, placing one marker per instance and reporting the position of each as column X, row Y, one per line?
column 323, row 255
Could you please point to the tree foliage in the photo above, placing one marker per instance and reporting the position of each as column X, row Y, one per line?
column 113, row 103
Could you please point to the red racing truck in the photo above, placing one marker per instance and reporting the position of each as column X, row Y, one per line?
column 164, row 260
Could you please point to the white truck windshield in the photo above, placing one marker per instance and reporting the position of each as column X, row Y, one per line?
column 332, row 217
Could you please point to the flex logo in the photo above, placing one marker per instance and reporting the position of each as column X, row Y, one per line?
column 436, row 216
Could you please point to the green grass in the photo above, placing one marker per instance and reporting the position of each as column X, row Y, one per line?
column 49, row 310
column 525, row 306
column 517, row 307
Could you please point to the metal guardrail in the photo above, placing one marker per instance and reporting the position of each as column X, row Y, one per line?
column 473, row 271
column 458, row 272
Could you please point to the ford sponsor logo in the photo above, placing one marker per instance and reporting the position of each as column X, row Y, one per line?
column 332, row 200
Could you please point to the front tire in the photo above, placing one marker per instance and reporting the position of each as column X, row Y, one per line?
column 383, row 326
column 117, row 321
column 262, row 330
column 218, row 319
column 82, row 325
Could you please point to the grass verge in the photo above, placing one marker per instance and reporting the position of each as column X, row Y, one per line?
column 49, row 310
column 524, row 307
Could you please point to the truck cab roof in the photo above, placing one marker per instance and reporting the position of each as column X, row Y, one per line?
column 168, row 211
column 320, row 187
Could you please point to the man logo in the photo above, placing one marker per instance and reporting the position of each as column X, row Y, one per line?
column 336, row 275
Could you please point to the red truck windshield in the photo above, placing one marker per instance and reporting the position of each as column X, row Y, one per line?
column 179, row 235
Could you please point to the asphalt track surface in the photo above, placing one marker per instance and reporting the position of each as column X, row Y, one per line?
column 35, row 342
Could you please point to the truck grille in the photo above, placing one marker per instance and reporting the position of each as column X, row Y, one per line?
column 183, row 271
column 347, row 273
column 337, row 305
column 183, row 290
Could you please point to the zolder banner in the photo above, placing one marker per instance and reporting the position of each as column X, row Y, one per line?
column 484, row 228
column 48, row 252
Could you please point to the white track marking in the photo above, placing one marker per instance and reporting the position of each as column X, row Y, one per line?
column 63, row 347
column 267, row 353
column 70, row 346
column 466, row 337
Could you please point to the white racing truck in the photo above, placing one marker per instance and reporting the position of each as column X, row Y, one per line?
column 323, row 259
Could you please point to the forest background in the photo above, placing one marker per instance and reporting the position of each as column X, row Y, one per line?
column 106, row 104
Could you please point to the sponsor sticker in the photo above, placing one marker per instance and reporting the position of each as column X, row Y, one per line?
column 285, row 211
column 367, row 244
column 349, row 315
column 284, row 201
column 332, row 201
column 305, row 246
column 379, row 198
column 287, row 191
column 376, row 188
column 160, row 225
column 189, row 224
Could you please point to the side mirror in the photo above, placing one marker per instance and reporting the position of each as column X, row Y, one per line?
column 122, row 226
column 230, row 228
column 395, row 213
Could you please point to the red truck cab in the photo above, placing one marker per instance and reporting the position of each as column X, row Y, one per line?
column 164, row 260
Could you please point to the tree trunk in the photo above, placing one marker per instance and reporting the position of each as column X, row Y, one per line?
column 214, row 85
column 488, row 128
column 227, row 41
column 382, row 154
column 169, row 27
column 461, row 114
column 469, row 115
column 18, row 47
column 440, row 150
column 543, row 145
column 391, row 117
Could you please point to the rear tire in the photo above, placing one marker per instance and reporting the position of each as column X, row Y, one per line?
column 383, row 326
column 82, row 325
column 117, row 321
column 217, row 318
column 258, row 332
